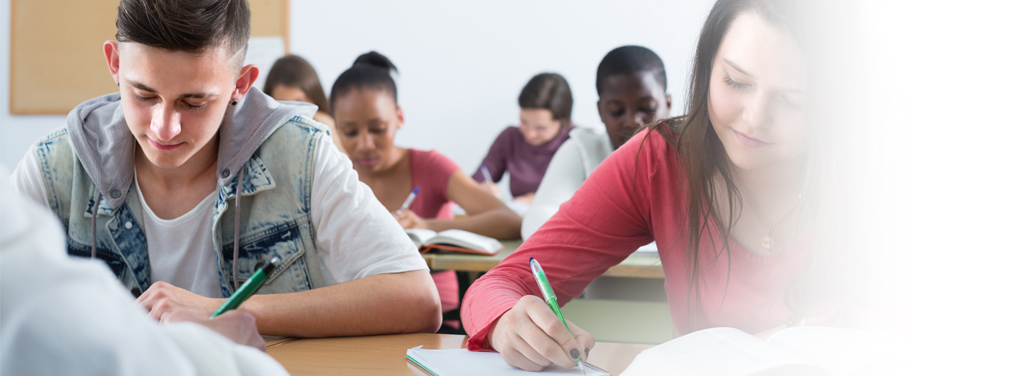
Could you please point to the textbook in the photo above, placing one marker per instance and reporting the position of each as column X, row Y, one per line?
column 453, row 240
column 465, row 362
column 799, row 350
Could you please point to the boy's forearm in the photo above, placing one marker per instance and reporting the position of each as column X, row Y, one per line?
column 382, row 304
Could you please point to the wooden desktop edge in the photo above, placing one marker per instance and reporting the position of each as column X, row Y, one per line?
column 277, row 341
column 637, row 265
column 382, row 354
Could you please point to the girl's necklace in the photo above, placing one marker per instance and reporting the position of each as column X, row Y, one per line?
column 768, row 241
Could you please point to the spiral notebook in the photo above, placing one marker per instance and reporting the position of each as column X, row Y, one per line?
column 465, row 362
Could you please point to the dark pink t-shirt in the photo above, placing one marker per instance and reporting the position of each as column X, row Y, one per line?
column 430, row 173
column 634, row 198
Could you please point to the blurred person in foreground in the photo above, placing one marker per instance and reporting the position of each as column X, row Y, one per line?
column 63, row 316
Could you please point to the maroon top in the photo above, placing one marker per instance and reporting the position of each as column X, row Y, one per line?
column 525, row 163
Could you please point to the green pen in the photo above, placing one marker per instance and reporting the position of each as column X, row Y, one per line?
column 549, row 297
column 248, row 288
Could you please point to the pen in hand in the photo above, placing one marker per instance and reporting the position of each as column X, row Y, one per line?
column 408, row 202
column 486, row 173
column 248, row 288
column 550, row 299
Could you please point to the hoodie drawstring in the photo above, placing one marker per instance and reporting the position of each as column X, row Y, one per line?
column 95, row 206
column 238, row 221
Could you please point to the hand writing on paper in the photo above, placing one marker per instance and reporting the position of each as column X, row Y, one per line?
column 491, row 187
column 408, row 219
column 238, row 326
column 531, row 337
column 163, row 298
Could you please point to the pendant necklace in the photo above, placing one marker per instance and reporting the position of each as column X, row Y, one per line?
column 768, row 241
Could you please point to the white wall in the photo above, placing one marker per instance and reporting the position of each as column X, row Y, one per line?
column 462, row 63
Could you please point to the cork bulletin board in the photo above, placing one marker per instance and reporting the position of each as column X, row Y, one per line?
column 57, row 50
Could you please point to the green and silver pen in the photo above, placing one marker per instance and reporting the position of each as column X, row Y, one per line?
column 549, row 297
column 248, row 288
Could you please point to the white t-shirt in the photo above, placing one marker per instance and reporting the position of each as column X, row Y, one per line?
column 180, row 250
column 64, row 316
column 574, row 161
column 356, row 237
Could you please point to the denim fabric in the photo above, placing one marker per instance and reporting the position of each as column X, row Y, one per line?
column 274, row 212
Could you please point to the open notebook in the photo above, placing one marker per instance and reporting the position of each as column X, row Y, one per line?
column 465, row 362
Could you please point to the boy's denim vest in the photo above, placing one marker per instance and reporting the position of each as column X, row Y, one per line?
column 275, row 213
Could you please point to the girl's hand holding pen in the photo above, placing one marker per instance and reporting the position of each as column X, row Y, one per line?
column 530, row 336
column 492, row 188
column 408, row 219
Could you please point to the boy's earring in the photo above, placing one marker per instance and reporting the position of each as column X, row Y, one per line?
column 234, row 102
column 118, row 83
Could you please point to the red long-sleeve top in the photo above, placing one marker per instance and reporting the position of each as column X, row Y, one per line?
column 633, row 198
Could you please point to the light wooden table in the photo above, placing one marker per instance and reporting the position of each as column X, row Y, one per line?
column 638, row 265
column 273, row 341
column 385, row 355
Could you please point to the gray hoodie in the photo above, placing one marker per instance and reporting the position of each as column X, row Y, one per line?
column 106, row 148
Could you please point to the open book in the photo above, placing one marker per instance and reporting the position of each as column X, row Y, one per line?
column 453, row 240
column 800, row 350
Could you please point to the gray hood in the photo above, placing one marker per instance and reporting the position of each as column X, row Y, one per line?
column 106, row 148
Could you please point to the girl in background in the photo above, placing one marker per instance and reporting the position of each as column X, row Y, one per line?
column 631, row 91
column 545, row 119
column 367, row 114
column 292, row 78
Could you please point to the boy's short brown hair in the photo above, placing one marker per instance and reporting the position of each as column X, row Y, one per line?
column 185, row 25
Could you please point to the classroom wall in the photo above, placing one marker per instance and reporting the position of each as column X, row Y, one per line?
column 462, row 63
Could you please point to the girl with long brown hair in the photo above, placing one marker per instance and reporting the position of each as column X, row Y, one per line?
column 737, row 194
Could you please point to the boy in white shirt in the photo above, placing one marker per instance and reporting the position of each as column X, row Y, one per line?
column 631, row 92
column 186, row 179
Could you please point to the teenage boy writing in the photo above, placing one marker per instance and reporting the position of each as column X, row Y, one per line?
column 186, row 179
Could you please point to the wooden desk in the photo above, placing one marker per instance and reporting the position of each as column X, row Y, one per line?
column 385, row 355
column 274, row 341
column 637, row 265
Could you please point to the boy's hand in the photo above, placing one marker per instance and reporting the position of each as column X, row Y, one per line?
column 238, row 326
column 163, row 298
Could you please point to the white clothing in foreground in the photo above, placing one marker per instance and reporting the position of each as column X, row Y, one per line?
column 585, row 149
column 356, row 237
column 62, row 316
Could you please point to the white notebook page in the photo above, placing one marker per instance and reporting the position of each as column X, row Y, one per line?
column 465, row 362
